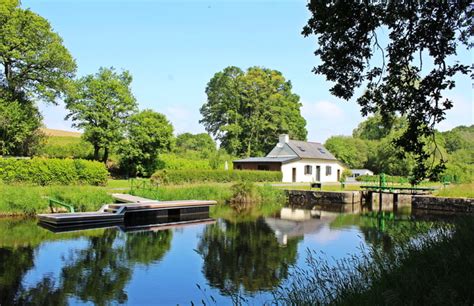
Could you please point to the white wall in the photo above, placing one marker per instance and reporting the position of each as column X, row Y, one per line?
column 306, row 178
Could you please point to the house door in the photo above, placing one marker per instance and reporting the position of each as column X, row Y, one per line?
column 338, row 175
column 294, row 175
column 318, row 173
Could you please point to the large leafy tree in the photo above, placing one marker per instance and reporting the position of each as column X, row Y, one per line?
column 148, row 134
column 34, row 66
column 202, row 142
column 418, row 31
column 351, row 151
column 246, row 111
column 19, row 128
column 35, row 63
column 101, row 105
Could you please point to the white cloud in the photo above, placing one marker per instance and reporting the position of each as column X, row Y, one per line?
column 325, row 235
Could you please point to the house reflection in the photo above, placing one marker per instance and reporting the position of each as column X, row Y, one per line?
column 291, row 223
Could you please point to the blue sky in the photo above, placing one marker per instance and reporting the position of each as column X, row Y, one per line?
column 173, row 48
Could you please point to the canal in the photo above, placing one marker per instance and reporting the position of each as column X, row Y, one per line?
column 217, row 261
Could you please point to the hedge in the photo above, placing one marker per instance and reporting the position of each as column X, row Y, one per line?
column 222, row 176
column 388, row 179
column 52, row 171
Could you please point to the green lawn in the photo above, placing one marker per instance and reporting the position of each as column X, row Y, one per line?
column 456, row 191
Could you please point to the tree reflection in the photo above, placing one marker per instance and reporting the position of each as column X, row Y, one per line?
column 14, row 263
column 244, row 254
column 97, row 273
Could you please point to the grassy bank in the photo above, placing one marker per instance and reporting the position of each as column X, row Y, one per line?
column 456, row 191
column 431, row 270
column 31, row 200
column 218, row 192
column 21, row 199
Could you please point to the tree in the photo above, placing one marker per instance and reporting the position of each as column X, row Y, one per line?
column 101, row 105
column 233, row 260
column 351, row 151
column 34, row 65
column 19, row 128
column 148, row 133
column 347, row 34
column 201, row 142
column 246, row 111
column 376, row 127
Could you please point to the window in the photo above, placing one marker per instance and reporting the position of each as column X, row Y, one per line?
column 263, row 167
column 321, row 151
column 308, row 169
column 328, row 170
column 301, row 148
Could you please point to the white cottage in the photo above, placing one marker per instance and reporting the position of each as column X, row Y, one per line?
column 299, row 161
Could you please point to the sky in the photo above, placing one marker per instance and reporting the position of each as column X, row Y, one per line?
column 173, row 48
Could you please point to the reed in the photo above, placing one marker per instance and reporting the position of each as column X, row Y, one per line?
column 434, row 268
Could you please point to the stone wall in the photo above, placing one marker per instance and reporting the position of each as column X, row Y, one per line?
column 353, row 201
column 463, row 205
column 308, row 199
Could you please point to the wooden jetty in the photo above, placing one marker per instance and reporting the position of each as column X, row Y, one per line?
column 115, row 213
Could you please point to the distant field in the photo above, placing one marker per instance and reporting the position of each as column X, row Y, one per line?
column 60, row 133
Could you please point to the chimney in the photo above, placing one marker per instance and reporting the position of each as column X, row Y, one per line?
column 283, row 138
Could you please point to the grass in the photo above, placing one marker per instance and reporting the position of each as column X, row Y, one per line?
column 60, row 133
column 332, row 187
column 435, row 268
column 17, row 232
column 31, row 200
column 456, row 191
column 268, row 199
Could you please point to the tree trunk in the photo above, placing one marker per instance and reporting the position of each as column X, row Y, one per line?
column 106, row 155
column 96, row 152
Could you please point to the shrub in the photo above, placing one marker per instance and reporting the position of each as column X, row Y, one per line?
column 243, row 192
column 220, row 176
column 388, row 179
column 43, row 171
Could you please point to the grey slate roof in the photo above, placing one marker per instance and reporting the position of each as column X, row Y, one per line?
column 310, row 150
column 292, row 150
column 266, row 159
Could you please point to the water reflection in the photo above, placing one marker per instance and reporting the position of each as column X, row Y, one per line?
column 250, row 257
column 292, row 223
column 245, row 254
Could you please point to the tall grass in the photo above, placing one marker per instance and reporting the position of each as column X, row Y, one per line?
column 456, row 191
column 31, row 200
column 268, row 199
column 434, row 268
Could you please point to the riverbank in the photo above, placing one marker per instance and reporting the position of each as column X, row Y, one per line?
column 27, row 200
column 434, row 269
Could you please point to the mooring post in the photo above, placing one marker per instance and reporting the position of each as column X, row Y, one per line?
column 395, row 201
column 380, row 191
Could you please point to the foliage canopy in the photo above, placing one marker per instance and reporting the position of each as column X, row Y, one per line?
column 246, row 111
column 101, row 105
column 419, row 31
column 148, row 133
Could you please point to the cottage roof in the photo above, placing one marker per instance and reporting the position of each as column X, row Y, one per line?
column 267, row 159
column 306, row 149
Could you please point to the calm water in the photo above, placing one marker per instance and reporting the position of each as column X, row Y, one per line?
column 172, row 265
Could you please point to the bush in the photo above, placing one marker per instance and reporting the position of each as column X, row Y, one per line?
column 66, row 147
column 43, row 171
column 388, row 179
column 220, row 176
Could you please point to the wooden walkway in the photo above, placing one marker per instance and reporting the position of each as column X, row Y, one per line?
column 115, row 213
